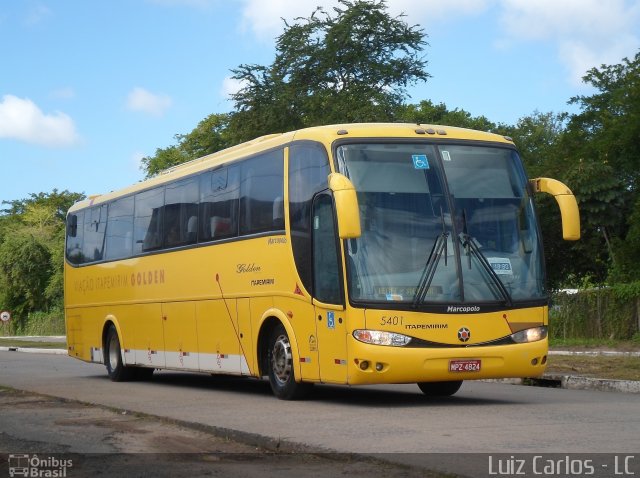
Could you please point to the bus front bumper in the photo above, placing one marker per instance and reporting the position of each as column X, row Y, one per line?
column 371, row 364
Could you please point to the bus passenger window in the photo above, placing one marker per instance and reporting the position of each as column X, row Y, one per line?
column 180, row 213
column 75, row 230
column 120, row 229
column 261, row 186
column 148, row 220
column 95, row 222
column 218, row 210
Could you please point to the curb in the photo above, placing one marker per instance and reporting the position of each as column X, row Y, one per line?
column 48, row 338
column 574, row 382
column 34, row 350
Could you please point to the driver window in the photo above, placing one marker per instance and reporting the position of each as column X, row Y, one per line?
column 325, row 252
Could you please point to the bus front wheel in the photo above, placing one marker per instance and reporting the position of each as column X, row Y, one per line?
column 281, row 371
column 440, row 389
column 113, row 358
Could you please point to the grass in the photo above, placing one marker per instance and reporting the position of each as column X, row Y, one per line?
column 586, row 344
column 31, row 344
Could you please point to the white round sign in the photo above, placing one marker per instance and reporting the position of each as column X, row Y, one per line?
column 5, row 316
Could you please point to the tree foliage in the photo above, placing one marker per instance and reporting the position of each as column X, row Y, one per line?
column 601, row 158
column 426, row 112
column 25, row 264
column 209, row 136
column 350, row 65
column 31, row 252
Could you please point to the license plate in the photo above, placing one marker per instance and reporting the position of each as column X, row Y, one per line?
column 464, row 365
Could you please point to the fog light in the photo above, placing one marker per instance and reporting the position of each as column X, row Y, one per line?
column 379, row 367
column 364, row 365
column 534, row 361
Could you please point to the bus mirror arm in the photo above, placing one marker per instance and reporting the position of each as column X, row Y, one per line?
column 346, row 201
column 567, row 203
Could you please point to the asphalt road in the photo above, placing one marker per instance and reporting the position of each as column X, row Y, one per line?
column 395, row 421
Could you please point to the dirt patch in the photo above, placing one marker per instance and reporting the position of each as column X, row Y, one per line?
column 615, row 368
column 100, row 441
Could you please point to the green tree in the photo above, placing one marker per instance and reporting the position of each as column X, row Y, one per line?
column 426, row 112
column 164, row 158
column 209, row 136
column 58, row 201
column 25, row 265
column 31, row 251
column 601, row 157
column 536, row 136
column 350, row 66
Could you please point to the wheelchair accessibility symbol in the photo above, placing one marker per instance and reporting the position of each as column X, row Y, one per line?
column 420, row 161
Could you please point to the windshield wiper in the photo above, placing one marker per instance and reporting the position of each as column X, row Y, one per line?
column 470, row 247
column 431, row 265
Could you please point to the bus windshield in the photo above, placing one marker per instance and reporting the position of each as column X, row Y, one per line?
column 441, row 224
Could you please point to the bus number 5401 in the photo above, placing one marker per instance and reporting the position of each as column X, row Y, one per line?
column 391, row 320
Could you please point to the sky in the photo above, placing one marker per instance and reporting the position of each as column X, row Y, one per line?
column 89, row 88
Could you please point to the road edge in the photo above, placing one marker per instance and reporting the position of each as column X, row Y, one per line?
column 552, row 380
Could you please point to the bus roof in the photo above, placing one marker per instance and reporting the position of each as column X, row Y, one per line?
column 324, row 134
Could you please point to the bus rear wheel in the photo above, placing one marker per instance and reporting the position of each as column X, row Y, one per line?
column 281, row 370
column 113, row 358
column 440, row 389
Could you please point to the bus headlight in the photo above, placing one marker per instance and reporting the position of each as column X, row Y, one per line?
column 378, row 337
column 530, row 335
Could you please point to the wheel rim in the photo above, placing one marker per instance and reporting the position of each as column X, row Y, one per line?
column 281, row 359
column 114, row 351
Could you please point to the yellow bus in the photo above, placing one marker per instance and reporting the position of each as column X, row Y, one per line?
column 345, row 254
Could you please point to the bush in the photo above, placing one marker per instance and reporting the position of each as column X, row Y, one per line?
column 37, row 323
column 602, row 313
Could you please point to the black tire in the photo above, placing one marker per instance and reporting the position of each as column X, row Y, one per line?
column 280, row 366
column 440, row 389
column 113, row 358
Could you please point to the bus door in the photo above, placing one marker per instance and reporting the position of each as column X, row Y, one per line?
column 328, row 299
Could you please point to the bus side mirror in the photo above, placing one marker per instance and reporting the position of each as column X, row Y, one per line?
column 567, row 203
column 346, row 201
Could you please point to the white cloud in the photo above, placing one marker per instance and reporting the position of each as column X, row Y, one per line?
column 21, row 119
column 65, row 93
column 37, row 14
column 429, row 11
column 144, row 101
column 586, row 33
column 264, row 17
column 231, row 86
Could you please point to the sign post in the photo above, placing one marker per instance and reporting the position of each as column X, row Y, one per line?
column 5, row 318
